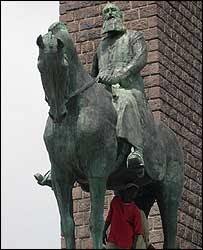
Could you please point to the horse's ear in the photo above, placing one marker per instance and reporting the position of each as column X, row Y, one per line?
column 40, row 42
column 60, row 43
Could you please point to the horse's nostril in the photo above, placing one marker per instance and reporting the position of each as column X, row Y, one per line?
column 58, row 119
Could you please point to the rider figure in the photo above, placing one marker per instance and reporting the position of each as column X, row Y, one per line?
column 119, row 58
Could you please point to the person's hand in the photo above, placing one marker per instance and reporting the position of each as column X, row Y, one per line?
column 104, row 237
column 104, row 78
column 109, row 80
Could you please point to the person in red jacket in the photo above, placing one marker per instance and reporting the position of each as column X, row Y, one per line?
column 125, row 220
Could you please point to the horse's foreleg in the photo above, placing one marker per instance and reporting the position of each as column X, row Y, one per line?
column 97, row 194
column 63, row 192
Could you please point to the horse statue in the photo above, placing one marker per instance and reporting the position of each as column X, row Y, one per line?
column 80, row 137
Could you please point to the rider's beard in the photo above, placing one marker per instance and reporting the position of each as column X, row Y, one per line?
column 113, row 24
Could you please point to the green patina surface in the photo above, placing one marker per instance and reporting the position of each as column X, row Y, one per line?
column 95, row 121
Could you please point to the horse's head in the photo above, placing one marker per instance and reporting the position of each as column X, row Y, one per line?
column 53, row 68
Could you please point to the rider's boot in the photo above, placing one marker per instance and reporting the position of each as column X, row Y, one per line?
column 135, row 161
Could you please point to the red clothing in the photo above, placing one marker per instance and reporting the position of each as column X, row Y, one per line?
column 125, row 219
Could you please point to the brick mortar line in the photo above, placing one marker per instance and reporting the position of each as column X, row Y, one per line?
column 82, row 7
column 179, row 111
column 166, row 10
column 185, row 225
column 192, row 233
column 193, row 167
column 175, row 72
column 192, row 87
column 176, row 30
column 195, row 6
column 186, row 212
column 186, row 150
column 150, row 87
column 179, row 44
column 180, row 210
column 199, row 195
column 162, row 86
column 180, row 67
column 157, row 242
column 178, row 53
column 185, row 50
column 184, row 15
column 155, row 110
column 154, row 215
column 186, row 188
column 183, row 58
column 154, row 98
column 176, row 132
column 157, row 229
column 191, row 178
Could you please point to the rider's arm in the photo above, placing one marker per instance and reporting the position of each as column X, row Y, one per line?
column 139, row 60
column 138, row 49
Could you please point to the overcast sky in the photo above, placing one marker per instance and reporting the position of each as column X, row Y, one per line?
column 29, row 213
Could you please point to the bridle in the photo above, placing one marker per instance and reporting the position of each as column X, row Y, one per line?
column 82, row 89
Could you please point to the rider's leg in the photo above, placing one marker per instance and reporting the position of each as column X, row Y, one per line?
column 130, row 124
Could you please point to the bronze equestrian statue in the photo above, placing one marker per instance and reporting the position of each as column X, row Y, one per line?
column 84, row 145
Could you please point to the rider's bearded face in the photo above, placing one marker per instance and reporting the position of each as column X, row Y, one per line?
column 112, row 19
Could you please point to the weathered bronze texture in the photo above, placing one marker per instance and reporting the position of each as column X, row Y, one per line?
column 84, row 138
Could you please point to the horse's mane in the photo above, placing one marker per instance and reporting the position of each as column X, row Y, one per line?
column 59, row 30
column 77, row 71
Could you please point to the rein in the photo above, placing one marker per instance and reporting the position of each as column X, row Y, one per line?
column 82, row 89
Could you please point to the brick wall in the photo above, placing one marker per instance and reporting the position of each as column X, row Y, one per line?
column 172, row 80
column 180, row 67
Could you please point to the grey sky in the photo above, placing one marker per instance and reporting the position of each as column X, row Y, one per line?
column 29, row 213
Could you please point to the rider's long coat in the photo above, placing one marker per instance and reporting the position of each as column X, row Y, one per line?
column 135, row 119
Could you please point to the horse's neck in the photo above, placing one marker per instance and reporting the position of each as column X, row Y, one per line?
column 79, row 77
